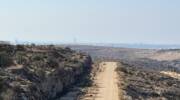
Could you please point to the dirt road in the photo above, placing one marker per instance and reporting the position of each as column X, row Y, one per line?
column 106, row 84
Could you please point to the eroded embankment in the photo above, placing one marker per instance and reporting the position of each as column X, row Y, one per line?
column 29, row 72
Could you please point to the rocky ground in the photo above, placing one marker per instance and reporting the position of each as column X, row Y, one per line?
column 29, row 72
column 144, row 74
column 142, row 84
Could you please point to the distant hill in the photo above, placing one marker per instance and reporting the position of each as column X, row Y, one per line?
column 138, row 46
column 151, row 59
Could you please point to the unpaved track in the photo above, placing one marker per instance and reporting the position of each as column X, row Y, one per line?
column 106, row 83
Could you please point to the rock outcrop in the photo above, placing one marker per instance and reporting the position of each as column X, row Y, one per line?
column 39, row 72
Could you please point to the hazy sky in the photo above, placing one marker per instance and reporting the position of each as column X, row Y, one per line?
column 95, row 21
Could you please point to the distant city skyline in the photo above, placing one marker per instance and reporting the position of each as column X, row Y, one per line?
column 91, row 21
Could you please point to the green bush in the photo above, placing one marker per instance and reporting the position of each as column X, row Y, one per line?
column 5, row 59
column 21, row 58
column 52, row 62
column 37, row 57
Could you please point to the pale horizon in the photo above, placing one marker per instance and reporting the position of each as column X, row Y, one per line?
column 102, row 21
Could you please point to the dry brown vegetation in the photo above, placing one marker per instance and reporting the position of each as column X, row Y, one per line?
column 30, row 72
column 143, row 84
column 144, row 74
column 56, row 73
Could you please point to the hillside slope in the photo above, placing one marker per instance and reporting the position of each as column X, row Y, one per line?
column 38, row 72
column 142, row 84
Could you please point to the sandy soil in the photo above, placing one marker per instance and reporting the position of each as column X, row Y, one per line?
column 15, row 67
column 106, row 87
column 171, row 74
column 169, row 56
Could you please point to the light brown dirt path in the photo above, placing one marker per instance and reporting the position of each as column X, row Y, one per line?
column 106, row 83
column 171, row 74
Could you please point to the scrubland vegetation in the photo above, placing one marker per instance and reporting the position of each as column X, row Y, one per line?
column 144, row 74
column 29, row 72
column 142, row 84
column 48, row 72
